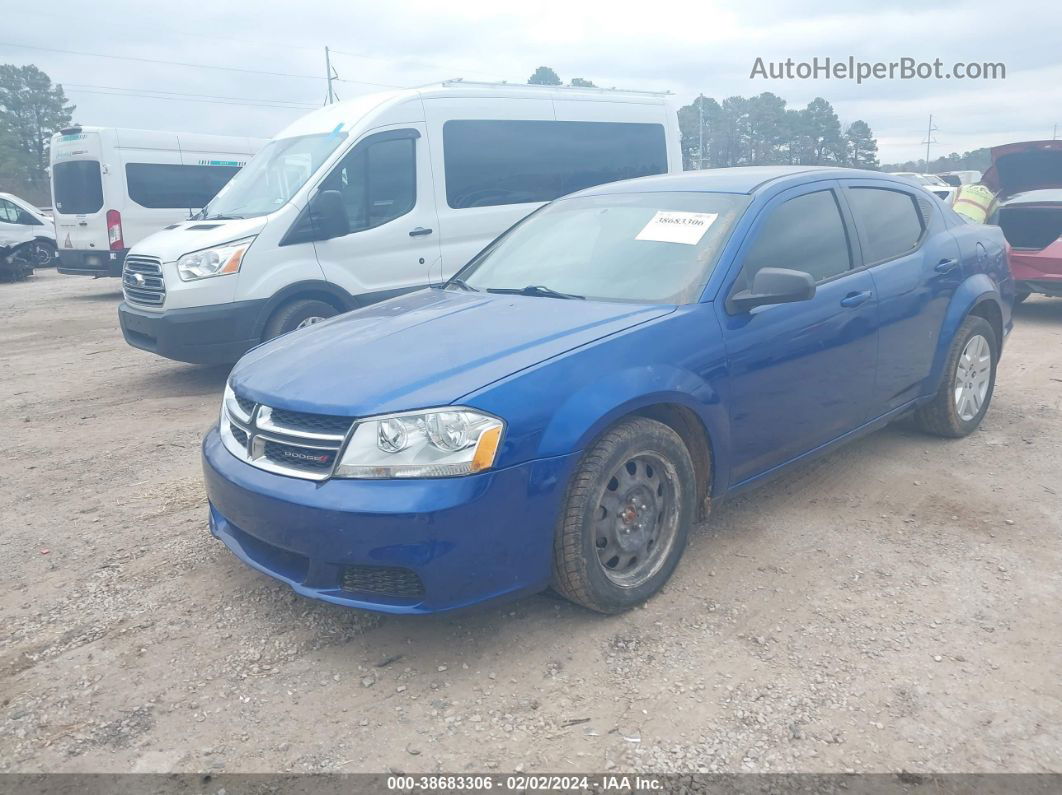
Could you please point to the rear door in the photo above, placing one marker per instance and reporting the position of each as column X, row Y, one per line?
column 78, row 192
column 801, row 374
column 915, row 264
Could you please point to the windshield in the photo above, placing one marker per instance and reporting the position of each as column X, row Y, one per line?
column 273, row 176
column 648, row 247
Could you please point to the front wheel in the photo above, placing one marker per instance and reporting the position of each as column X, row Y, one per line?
column 969, row 380
column 298, row 314
column 628, row 512
column 43, row 252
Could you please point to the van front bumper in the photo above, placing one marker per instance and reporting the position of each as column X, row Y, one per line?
column 396, row 546
column 89, row 262
column 218, row 334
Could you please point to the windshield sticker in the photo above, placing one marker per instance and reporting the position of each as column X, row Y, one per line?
column 669, row 226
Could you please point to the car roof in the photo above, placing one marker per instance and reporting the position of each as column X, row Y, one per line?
column 740, row 179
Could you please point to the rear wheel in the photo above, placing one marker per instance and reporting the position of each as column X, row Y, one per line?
column 627, row 515
column 298, row 314
column 969, row 380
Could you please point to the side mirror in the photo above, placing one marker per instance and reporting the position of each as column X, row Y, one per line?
column 774, row 286
column 323, row 218
column 328, row 215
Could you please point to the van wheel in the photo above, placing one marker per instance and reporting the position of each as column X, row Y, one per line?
column 298, row 314
column 628, row 512
column 969, row 380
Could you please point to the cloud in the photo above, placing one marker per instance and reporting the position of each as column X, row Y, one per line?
column 685, row 47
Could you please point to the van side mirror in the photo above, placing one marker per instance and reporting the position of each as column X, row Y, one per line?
column 328, row 215
column 774, row 286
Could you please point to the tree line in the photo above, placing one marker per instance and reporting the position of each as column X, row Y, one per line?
column 974, row 160
column 31, row 110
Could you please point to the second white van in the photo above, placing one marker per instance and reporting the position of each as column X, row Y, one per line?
column 377, row 196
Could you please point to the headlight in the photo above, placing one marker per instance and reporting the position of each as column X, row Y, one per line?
column 422, row 444
column 213, row 261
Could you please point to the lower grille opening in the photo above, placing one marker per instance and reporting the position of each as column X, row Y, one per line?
column 383, row 580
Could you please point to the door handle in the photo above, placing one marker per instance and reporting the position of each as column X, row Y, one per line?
column 855, row 299
column 946, row 265
column 420, row 231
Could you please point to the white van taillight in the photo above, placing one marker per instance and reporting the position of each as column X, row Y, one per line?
column 114, row 230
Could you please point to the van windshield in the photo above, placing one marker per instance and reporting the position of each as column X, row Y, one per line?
column 642, row 247
column 273, row 176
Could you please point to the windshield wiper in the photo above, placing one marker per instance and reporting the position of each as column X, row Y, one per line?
column 538, row 290
column 462, row 284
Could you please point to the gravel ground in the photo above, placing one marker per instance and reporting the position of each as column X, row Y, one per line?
column 892, row 606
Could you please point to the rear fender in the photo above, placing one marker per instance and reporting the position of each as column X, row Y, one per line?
column 973, row 291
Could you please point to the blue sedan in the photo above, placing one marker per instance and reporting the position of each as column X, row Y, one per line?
column 564, row 409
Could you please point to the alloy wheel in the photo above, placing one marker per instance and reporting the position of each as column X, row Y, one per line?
column 973, row 374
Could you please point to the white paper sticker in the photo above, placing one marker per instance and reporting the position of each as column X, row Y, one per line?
column 670, row 226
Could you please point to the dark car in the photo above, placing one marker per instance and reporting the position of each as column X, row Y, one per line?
column 563, row 410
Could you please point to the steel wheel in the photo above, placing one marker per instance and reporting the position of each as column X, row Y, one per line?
column 973, row 374
column 636, row 520
column 42, row 254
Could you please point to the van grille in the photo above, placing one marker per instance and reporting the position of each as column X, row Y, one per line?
column 142, row 281
column 293, row 443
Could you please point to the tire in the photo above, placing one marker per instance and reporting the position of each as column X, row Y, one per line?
column 947, row 415
column 297, row 314
column 602, row 512
column 43, row 253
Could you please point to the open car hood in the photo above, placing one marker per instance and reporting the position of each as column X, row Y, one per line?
column 1024, row 166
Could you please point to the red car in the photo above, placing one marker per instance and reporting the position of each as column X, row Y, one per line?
column 1027, row 177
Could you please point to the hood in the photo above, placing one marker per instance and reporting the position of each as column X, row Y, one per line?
column 428, row 348
column 172, row 242
column 1024, row 166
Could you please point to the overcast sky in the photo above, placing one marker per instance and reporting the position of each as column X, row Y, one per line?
column 683, row 47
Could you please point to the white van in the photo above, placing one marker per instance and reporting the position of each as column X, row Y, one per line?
column 21, row 222
column 113, row 187
column 373, row 197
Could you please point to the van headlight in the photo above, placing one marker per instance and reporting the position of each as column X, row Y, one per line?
column 214, row 261
column 435, row 443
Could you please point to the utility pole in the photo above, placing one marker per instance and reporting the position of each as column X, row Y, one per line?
column 1054, row 135
column 330, row 75
column 700, row 130
column 929, row 139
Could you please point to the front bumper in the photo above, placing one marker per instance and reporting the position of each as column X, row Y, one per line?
column 466, row 540
column 89, row 262
column 218, row 334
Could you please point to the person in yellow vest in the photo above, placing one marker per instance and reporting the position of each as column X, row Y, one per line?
column 975, row 202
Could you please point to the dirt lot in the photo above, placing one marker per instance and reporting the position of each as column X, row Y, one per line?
column 893, row 606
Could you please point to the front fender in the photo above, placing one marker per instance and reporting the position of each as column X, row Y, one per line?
column 974, row 290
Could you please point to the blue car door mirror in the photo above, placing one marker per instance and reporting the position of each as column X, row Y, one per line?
column 774, row 286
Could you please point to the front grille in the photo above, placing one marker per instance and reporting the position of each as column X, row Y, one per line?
column 383, row 580
column 313, row 423
column 308, row 458
column 142, row 281
column 297, row 444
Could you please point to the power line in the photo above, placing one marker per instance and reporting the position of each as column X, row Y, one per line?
column 187, row 99
column 153, row 91
column 183, row 63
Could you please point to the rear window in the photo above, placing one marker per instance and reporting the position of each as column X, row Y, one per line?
column 160, row 185
column 492, row 162
column 890, row 219
column 77, row 187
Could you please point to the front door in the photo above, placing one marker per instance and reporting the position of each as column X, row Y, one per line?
column 801, row 374
column 386, row 184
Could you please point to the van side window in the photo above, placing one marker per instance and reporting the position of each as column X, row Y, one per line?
column 378, row 182
column 175, row 186
column 806, row 234
column 890, row 220
column 492, row 162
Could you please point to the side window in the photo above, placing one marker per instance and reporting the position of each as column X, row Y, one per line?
column 890, row 219
column 378, row 182
column 804, row 234
column 171, row 186
column 492, row 162
column 8, row 212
